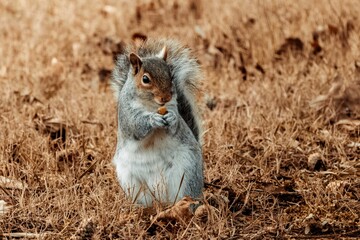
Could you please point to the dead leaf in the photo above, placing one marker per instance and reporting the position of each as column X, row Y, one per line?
column 66, row 155
column 357, row 69
column 348, row 124
column 101, row 125
column 316, row 47
column 104, row 75
column 23, row 235
column 200, row 32
column 108, row 10
column 138, row 14
column 315, row 227
column 211, row 102
column 291, row 44
column 12, row 183
column 337, row 188
column 26, row 96
column 52, row 78
column 285, row 193
column 354, row 145
column 205, row 212
column 250, row 22
column 76, row 49
column 3, row 207
column 316, row 162
column 180, row 212
column 54, row 126
column 139, row 36
column 340, row 103
column 333, row 29
column 3, row 71
column 259, row 68
column 213, row 50
column 243, row 71
column 112, row 47
column 107, row 45
column 85, row 230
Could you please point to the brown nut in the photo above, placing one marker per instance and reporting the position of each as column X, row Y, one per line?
column 162, row 110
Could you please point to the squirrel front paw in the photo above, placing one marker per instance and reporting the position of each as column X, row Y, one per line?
column 168, row 120
column 171, row 118
column 157, row 120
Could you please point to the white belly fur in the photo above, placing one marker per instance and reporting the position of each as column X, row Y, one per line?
column 144, row 172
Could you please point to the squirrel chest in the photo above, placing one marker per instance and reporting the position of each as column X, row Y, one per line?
column 153, row 167
column 155, row 149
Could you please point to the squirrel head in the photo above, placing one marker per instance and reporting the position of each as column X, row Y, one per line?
column 152, row 77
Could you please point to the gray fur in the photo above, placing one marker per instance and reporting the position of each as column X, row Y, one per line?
column 158, row 70
column 185, row 73
column 138, row 120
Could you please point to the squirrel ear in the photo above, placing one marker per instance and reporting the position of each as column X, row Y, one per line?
column 136, row 62
column 163, row 53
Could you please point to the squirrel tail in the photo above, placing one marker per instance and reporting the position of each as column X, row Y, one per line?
column 186, row 74
column 120, row 72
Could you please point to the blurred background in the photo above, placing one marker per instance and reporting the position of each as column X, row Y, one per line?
column 281, row 109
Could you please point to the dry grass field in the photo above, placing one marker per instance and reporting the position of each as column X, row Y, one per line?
column 281, row 110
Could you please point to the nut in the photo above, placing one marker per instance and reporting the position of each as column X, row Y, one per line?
column 162, row 110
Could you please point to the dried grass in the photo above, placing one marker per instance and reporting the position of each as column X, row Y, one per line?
column 281, row 80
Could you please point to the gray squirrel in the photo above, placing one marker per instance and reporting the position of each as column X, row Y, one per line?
column 158, row 155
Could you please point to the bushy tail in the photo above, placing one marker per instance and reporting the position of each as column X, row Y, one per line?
column 185, row 71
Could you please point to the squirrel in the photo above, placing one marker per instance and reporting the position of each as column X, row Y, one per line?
column 158, row 156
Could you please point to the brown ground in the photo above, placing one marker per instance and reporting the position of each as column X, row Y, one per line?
column 281, row 113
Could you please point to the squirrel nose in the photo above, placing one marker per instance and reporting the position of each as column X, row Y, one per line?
column 164, row 99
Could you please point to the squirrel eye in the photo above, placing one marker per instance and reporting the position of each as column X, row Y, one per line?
column 146, row 79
